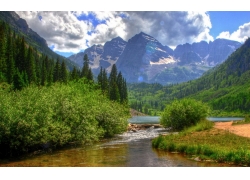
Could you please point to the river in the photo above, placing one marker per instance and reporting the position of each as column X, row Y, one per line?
column 130, row 149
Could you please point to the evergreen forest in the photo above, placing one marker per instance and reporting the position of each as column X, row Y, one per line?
column 44, row 105
column 226, row 88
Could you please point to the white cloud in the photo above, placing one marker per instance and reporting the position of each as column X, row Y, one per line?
column 239, row 35
column 113, row 27
column 171, row 27
column 68, row 34
column 61, row 29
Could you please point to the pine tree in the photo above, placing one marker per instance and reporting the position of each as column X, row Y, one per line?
column 74, row 74
column 43, row 73
column 119, row 82
column 100, row 78
column 10, row 60
column 85, row 68
column 38, row 65
column 113, row 74
column 49, row 68
column 113, row 87
column 30, row 69
column 124, row 95
column 64, row 73
column 90, row 76
column 57, row 70
column 21, row 54
column 3, row 65
column 105, row 82
column 20, row 80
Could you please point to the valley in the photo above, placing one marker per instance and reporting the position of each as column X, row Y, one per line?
column 50, row 102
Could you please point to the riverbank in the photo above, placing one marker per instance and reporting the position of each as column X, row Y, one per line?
column 221, row 143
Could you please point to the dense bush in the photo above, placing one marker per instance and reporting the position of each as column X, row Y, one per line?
column 54, row 116
column 183, row 113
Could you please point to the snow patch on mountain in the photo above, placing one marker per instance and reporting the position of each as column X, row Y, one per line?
column 163, row 60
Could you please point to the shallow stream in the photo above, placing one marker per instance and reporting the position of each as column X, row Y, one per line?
column 131, row 149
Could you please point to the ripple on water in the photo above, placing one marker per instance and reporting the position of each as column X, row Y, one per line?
column 138, row 135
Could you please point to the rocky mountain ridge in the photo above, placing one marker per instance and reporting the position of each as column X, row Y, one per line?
column 145, row 59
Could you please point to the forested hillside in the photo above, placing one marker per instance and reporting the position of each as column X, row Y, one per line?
column 225, row 87
column 21, row 64
column 20, row 27
column 44, row 105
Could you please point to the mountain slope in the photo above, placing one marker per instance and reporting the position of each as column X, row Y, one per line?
column 21, row 27
column 225, row 87
column 101, row 56
column 144, row 59
column 209, row 54
column 142, row 56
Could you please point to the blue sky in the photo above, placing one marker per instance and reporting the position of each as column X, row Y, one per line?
column 171, row 23
column 227, row 21
column 69, row 32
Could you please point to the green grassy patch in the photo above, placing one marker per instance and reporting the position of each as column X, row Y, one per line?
column 213, row 144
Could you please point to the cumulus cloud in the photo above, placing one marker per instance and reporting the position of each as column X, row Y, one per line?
column 239, row 35
column 62, row 30
column 170, row 28
column 67, row 32
column 114, row 26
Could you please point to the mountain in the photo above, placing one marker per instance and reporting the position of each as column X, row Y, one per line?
column 21, row 27
column 224, row 87
column 101, row 56
column 209, row 54
column 145, row 59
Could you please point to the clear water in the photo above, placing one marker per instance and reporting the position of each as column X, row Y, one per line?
column 130, row 149
column 224, row 119
column 156, row 119
column 145, row 120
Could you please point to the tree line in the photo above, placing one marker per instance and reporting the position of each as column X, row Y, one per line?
column 22, row 65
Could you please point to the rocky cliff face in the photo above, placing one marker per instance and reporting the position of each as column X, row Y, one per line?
column 144, row 59
column 101, row 56
column 209, row 54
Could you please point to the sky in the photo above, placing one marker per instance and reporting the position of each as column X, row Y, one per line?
column 70, row 32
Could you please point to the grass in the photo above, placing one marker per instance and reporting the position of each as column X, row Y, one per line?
column 208, row 143
column 245, row 121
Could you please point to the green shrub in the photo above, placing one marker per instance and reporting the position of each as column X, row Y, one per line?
column 183, row 113
column 39, row 116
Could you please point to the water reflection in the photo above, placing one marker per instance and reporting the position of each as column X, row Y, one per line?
column 126, row 150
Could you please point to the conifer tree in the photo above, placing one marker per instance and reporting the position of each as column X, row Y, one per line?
column 124, row 91
column 43, row 73
column 64, row 73
column 85, row 68
column 105, row 82
column 113, row 87
column 3, row 65
column 90, row 75
column 74, row 74
column 57, row 70
column 38, row 65
column 100, row 78
column 113, row 74
column 49, row 64
column 21, row 54
column 20, row 80
column 30, row 69
column 119, row 82
column 10, row 60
